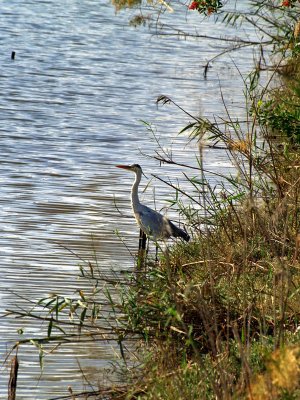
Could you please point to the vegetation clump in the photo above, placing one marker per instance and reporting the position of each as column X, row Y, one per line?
column 220, row 315
column 221, row 310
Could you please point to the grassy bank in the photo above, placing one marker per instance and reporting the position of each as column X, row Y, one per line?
column 220, row 315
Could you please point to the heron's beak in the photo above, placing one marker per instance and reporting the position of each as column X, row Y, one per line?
column 129, row 168
column 124, row 166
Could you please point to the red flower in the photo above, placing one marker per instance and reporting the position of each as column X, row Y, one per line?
column 286, row 3
column 194, row 5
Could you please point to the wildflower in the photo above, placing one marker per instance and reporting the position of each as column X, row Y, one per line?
column 286, row 3
column 193, row 5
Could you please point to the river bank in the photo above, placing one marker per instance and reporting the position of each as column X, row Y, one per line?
column 223, row 311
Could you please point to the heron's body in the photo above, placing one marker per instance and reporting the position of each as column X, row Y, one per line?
column 153, row 224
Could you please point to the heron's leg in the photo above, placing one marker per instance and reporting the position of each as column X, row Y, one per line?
column 142, row 253
column 142, row 240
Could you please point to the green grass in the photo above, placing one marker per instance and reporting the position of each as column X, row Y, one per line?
column 280, row 113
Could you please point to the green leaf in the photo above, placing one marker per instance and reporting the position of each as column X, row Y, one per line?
column 50, row 325
column 120, row 342
column 189, row 126
column 59, row 328
column 82, row 316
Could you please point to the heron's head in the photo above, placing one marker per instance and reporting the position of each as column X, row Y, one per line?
column 134, row 168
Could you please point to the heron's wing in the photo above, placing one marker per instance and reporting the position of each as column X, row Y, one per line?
column 151, row 222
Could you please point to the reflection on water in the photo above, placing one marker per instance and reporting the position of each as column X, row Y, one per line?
column 71, row 104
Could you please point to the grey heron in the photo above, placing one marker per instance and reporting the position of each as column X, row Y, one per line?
column 152, row 223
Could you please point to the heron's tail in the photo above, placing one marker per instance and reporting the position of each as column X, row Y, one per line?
column 177, row 232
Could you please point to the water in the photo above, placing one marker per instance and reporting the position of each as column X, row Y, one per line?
column 71, row 107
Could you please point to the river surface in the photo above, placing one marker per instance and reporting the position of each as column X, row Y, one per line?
column 71, row 106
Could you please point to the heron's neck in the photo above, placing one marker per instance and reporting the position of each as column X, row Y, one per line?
column 135, row 202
